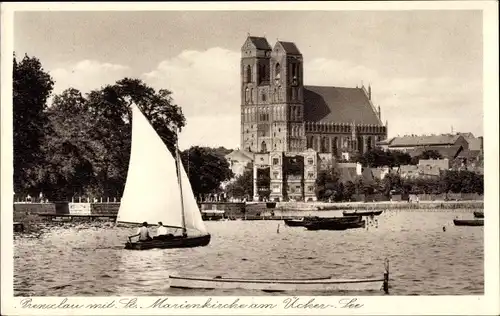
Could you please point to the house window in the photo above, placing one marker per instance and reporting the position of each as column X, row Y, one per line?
column 275, row 175
column 263, row 97
column 310, row 161
column 310, row 175
column 310, row 189
column 276, row 161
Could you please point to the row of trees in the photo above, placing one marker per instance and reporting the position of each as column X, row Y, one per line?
column 330, row 186
column 80, row 145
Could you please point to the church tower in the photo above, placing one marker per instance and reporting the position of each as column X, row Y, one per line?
column 287, row 100
column 256, row 115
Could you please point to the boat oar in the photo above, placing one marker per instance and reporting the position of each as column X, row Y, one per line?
column 278, row 230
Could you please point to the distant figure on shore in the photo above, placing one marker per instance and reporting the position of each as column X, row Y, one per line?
column 143, row 233
column 444, row 228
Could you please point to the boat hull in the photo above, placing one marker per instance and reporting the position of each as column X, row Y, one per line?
column 361, row 213
column 478, row 214
column 307, row 220
column 468, row 222
column 282, row 285
column 295, row 222
column 176, row 242
column 335, row 225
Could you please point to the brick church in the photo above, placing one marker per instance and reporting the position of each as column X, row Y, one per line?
column 293, row 130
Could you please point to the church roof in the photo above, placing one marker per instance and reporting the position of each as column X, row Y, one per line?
column 260, row 42
column 290, row 48
column 338, row 105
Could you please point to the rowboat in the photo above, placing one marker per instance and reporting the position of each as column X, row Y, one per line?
column 468, row 222
column 361, row 213
column 308, row 219
column 158, row 190
column 325, row 284
column 478, row 214
column 336, row 225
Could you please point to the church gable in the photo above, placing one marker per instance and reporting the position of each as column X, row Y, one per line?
column 289, row 48
column 338, row 105
column 254, row 42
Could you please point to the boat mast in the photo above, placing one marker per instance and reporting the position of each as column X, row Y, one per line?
column 179, row 165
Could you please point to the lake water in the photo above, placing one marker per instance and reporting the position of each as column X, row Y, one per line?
column 424, row 259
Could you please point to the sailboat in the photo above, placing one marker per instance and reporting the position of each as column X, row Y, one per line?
column 158, row 190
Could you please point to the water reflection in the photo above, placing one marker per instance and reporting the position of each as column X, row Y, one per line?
column 424, row 259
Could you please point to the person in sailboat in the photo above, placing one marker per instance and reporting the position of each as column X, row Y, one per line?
column 162, row 232
column 142, row 233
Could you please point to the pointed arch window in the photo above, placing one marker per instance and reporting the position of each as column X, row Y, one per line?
column 247, row 95
column 263, row 147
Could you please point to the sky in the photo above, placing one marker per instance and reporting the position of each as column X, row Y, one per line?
column 425, row 67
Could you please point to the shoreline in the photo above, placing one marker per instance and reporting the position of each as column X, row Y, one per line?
column 340, row 206
column 259, row 211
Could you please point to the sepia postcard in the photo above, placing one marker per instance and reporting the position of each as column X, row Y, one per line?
column 250, row 158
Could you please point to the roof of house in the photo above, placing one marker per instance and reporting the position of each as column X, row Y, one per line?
column 408, row 168
column 449, row 152
column 290, row 48
column 409, row 141
column 439, row 163
column 385, row 141
column 260, row 42
column 339, row 105
column 474, row 143
column 348, row 174
column 239, row 154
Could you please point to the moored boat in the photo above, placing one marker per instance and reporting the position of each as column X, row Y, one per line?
column 336, row 225
column 308, row 219
column 295, row 222
column 158, row 190
column 280, row 285
column 478, row 214
column 361, row 213
column 468, row 222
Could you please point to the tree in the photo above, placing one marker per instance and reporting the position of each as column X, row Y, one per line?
column 242, row 186
column 349, row 190
column 378, row 158
column 31, row 88
column 206, row 169
column 399, row 158
column 328, row 185
column 111, row 115
column 430, row 154
column 69, row 153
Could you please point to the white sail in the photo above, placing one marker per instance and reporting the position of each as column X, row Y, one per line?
column 192, row 214
column 152, row 192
